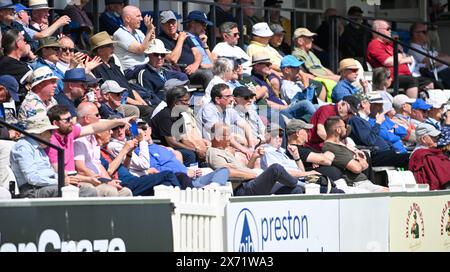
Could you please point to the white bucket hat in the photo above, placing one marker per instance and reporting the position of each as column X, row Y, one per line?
column 41, row 74
column 38, row 124
column 262, row 30
column 157, row 46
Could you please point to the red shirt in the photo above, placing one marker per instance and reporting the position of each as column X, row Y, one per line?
column 67, row 144
column 319, row 117
column 378, row 52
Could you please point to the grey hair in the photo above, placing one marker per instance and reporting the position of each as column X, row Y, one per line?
column 222, row 66
column 227, row 27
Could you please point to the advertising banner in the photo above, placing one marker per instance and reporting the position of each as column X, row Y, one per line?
column 364, row 224
column 294, row 225
column 73, row 226
column 420, row 223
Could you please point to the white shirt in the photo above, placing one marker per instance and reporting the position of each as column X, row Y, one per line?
column 223, row 49
column 124, row 39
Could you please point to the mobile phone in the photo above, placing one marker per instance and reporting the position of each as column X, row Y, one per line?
column 90, row 96
column 104, row 180
column 134, row 129
column 72, row 173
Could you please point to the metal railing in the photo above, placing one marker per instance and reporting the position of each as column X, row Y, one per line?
column 59, row 149
column 334, row 42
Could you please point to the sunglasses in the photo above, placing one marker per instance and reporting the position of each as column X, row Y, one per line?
column 422, row 31
column 119, row 127
column 234, row 34
column 65, row 49
column 159, row 55
column 67, row 120
column 144, row 127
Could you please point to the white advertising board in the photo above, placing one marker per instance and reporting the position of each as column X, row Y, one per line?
column 364, row 224
column 294, row 225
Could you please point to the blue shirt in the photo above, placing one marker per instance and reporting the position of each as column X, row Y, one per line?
column 272, row 156
column 162, row 159
column 31, row 164
column 391, row 134
column 342, row 89
column 197, row 42
column 64, row 100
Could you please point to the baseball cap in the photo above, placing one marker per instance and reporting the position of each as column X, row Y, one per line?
column 353, row 102
column 354, row 9
column 299, row 32
column 296, row 124
column 243, row 91
column 111, row 86
column 11, row 85
column 420, row 104
column 174, row 82
column 290, row 61
column 277, row 28
column 401, row 99
column 20, row 7
column 426, row 129
column 166, row 16
column 262, row 30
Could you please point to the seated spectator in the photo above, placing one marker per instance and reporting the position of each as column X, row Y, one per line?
column 428, row 163
column 245, row 180
column 261, row 35
column 7, row 21
column 229, row 47
column 87, row 155
column 175, row 126
column 363, row 133
column 39, row 15
column 293, row 89
column 419, row 112
column 317, row 134
column 260, row 73
column 435, row 112
column 153, row 75
column 218, row 110
column 349, row 73
column 223, row 13
column 131, row 42
column 402, row 106
column 303, row 39
column 223, row 72
column 9, row 89
column 103, row 47
column 297, row 133
column 35, row 176
column 48, row 56
column 351, row 161
column 244, row 108
column 197, row 22
column 380, row 54
column 14, row 49
column 65, row 54
column 111, row 20
column 184, row 52
column 74, row 89
column 420, row 41
column 277, row 39
column 113, row 101
column 275, row 154
column 250, row 19
column 40, row 98
column 350, row 41
column 381, row 80
column 22, row 17
column 275, row 17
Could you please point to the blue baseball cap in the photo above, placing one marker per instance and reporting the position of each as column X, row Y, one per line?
column 20, row 7
column 420, row 104
column 199, row 16
column 10, row 83
column 75, row 75
column 290, row 61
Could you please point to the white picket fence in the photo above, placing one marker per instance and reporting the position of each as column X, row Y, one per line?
column 198, row 221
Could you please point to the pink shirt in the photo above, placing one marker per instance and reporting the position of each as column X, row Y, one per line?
column 67, row 144
column 87, row 150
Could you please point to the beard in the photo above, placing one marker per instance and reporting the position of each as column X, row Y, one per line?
column 65, row 131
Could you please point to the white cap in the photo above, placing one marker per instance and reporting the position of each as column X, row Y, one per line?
column 262, row 30
column 437, row 98
column 400, row 100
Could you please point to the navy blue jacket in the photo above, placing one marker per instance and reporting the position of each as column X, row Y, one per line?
column 364, row 134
